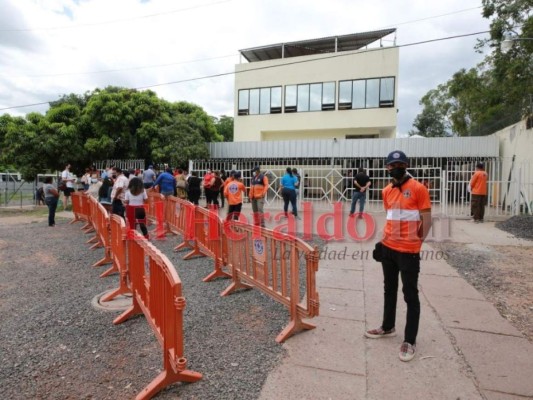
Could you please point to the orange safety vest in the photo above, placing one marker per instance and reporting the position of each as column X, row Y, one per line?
column 403, row 215
column 258, row 186
column 233, row 190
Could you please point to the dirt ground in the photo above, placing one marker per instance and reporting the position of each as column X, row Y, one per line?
column 503, row 274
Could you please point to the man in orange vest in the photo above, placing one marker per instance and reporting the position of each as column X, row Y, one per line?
column 478, row 188
column 258, row 191
column 408, row 208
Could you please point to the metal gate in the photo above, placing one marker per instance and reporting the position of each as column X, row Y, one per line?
column 327, row 181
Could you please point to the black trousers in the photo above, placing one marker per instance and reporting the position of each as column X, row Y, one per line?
column 234, row 211
column 289, row 195
column 478, row 206
column 407, row 265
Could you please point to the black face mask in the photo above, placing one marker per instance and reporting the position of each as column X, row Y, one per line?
column 397, row 173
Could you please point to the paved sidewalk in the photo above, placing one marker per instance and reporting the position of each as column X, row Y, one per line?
column 465, row 350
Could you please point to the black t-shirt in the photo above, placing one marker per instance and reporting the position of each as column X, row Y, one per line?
column 362, row 179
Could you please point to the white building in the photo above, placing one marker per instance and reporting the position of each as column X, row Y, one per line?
column 331, row 88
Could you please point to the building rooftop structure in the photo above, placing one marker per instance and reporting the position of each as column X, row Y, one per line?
column 331, row 44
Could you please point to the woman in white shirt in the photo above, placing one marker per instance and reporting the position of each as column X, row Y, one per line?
column 135, row 198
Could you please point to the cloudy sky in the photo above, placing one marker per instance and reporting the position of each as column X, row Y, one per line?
column 54, row 47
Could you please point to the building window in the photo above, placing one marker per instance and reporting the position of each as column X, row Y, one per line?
column 260, row 101
column 386, row 92
column 310, row 97
column 366, row 93
column 290, row 98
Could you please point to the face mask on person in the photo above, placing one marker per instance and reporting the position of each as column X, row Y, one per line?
column 397, row 173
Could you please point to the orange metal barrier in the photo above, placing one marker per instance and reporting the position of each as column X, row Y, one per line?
column 179, row 219
column 208, row 235
column 101, row 223
column 118, row 253
column 92, row 207
column 157, row 293
column 86, row 213
column 76, row 207
column 156, row 214
column 281, row 266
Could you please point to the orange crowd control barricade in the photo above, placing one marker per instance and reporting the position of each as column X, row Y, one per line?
column 208, row 239
column 156, row 214
column 179, row 218
column 157, row 293
column 101, row 219
column 86, row 212
column 76, row 207
column 93, row 207
column 281, row 266
column 118, row 253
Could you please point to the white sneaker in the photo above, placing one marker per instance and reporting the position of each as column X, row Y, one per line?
column 407, row 351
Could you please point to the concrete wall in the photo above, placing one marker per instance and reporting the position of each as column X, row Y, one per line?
column 516, row 150
column 375, row 63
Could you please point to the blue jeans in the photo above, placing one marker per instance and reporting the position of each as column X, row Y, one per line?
column 51, row 202
column 361, row 196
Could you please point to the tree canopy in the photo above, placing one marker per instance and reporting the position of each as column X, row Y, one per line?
column 494, row 94
column 109, row 123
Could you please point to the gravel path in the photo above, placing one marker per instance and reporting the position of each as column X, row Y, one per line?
column 55, row 345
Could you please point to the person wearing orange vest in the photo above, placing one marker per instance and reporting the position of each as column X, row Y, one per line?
column 478, row 188
column 258, row 191
column 233, row 190
column 408, row 208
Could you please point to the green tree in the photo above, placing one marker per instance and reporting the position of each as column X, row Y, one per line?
column 180, row 142
column 224, row 127
column 496, row 93
column 432, row 121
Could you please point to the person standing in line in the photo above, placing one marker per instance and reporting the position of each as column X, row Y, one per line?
column 134, row 200
column 67, row 177
column 234, row 190
column 288, row 191
column 298, row 181
column 478, row 187
column 166, row 183
column 194, row 190
column 181, row 184
column 361, row 183
column 223, row 176
column 258, row 191
column 208, row 181
column 215, row 189
column 51, row 197
column 149, row 177
column 408, row 208
column 118, row 192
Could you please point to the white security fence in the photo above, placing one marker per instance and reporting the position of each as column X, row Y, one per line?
column 326, row 181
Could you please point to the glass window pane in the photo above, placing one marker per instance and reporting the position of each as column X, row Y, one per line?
column 275, row 97
column 265, row 101
column 345, row 92
column 359, row 94
column 328, row 93
column 303, row 98
column 254, row 101
column 243, row 99
column 315, row 100
column 386, row 91
column 372, row 93
column 290, row 95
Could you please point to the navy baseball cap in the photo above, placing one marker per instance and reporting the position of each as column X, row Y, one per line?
column 396, row 156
